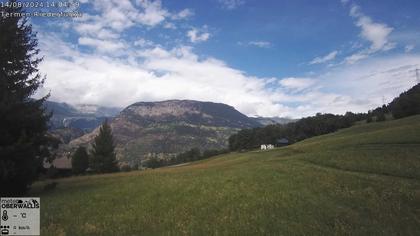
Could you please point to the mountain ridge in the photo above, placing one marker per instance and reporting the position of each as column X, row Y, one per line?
column 65, row 115
column 166, row 128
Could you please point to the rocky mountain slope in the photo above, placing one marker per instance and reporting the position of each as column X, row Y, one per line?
column 166, row 128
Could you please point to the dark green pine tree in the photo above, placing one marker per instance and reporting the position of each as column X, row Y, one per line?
column 80, row 160
column 23, row 121
column 103, row 155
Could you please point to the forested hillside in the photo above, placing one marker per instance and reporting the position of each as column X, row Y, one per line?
column 406, row 104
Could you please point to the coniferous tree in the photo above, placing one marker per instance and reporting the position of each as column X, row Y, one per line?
column 23, row 121
column 103, row 155
column 80, row 160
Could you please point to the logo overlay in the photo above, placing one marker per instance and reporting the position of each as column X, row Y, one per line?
column 20, row 216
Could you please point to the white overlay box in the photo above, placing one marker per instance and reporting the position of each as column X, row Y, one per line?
column 20, row 216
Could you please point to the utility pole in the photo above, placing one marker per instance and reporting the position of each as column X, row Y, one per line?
column 418, row 75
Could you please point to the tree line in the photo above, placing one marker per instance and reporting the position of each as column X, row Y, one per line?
column 304, row 128
column 194, row 154
column 406, row 104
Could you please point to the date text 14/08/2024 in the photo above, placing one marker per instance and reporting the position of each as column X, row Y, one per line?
column 40, row 4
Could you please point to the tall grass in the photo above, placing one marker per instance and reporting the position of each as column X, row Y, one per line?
column 363, row 180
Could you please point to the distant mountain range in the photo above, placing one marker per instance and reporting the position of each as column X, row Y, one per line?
column 82, row 116
column 147, row 129
column 72, row 121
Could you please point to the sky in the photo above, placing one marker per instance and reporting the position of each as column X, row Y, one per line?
column 265, row 58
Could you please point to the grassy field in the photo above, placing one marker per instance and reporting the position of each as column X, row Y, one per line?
column 364, row 180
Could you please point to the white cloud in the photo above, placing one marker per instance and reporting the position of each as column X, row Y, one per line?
column 169, row 25
column 152, row 14
column 150, row 72
column 156, row 52
column 375, row 33
column 231, row 4
column 141, row 42
column 104, row 26
column 95, row 30
column 198, row 35
column 186, row 13
column 114, row 16
column 409, row 48
column 117, row 15
column 75, row 77
column 261, row 44
column 374, row 80
column 179, row 73
column 297, row 84
column 330, row 56
column 356, row 57
column 102, row 45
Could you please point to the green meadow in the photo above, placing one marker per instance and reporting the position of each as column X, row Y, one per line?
column 364, row 180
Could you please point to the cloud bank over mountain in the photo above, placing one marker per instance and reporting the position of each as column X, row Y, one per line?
column 107, row 63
